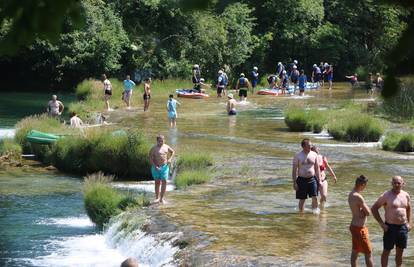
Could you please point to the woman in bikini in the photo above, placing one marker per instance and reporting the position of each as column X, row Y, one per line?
column 323, row 165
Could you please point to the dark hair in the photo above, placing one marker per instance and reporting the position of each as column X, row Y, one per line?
column 302, row 72
column 305, row 140
column 171, row 96
column 361, row 180
column 73, row 113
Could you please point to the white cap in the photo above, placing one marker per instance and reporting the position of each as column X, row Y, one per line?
column 295, row 61
column 255, row 68
column 295, row 67
column 284, row 72
column 314, row 65
column 196, row 66
column 279, row 63
column 201, row 79
column 326, row 64
column 230, row 95
column 242, row 74
column 220, row 72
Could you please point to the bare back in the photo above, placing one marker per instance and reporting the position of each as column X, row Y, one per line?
column 357, row 205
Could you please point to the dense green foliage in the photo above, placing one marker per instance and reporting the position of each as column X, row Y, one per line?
column 193, row 168
column 102, row 202
column 399, row 142
column 162, row 38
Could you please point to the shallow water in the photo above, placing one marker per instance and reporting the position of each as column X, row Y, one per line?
column 247, row 216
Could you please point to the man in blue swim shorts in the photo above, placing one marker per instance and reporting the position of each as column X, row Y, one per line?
column 306, row 176
column 160, row 159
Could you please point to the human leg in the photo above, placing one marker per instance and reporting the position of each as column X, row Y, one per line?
column 354, row 257
column 369, row 261
column 157, row 190
column 384, row 257
column 398, row 256
column 301, row 205
column 163, row 189
column 323, row 190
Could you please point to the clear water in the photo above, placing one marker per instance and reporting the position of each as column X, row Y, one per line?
column 247, row 216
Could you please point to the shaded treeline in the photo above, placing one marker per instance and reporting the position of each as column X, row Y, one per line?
column 121, row 36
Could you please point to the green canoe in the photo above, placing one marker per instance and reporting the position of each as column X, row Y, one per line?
column 41, row 138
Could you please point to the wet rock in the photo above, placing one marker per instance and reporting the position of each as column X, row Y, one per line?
column 51, row 168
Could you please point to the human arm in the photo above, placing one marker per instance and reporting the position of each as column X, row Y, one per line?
column 317, row 169
column 171, row 154
column 363, row 207
column 295, row 166
column 374, row 209
column 330, row 169
column 408, row 209
column 63, row 107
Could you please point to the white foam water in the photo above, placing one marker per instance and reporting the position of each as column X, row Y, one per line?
column 76, row 222
column 147, row 186
column 7, row 133
column 367, row 144
column 109, row 249
column 322, row 135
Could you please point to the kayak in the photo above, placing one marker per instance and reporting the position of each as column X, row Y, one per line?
column 190, row 93
column 268, row 92
column 41, row 138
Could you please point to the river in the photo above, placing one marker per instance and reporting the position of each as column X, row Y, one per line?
column 247, row 216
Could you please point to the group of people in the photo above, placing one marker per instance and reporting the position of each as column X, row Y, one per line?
column 309, row 178
column 372, row 83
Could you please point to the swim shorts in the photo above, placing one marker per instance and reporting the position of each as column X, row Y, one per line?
column 172, row 115
column 306, row 187
column 108, row 92
column 232, row 112
column 147, row 96
column 360, row 239
column 219, row 90
column 161, row 173
column 127, row 95
column 243, row 92
column 396, row 235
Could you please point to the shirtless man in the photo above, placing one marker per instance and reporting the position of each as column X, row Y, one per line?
column 55, row 107
column 231, row 105
column 360, row 211
column 160, row 158
column 397, row 224
column 306, row 175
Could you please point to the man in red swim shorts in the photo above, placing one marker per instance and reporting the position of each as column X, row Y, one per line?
column 360, row 211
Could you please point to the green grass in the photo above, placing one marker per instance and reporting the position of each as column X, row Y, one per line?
column 399, row 142
column 191, row 161
column 299, row 120
column 354, row 126
column 90, row 92
column 191, row 177
column 401, row 106
column 9, row 147
column 124, row 155
column 102, row 202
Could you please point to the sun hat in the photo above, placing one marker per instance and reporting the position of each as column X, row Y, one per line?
column 230, row 95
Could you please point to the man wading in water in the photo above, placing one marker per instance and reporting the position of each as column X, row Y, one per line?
column 397, row 224
column 306, row 175
column 160, row 158
column 360, row 211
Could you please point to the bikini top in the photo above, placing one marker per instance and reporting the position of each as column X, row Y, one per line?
column 322, row 167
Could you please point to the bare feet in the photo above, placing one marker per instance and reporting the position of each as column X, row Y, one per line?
column 155, row 201
column 162, row 201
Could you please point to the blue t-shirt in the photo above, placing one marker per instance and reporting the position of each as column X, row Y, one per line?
column 172, row 105
column 302, row 81
column 128, row 85
column 255, row 76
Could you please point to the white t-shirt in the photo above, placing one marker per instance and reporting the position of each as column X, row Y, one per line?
column 107, row 85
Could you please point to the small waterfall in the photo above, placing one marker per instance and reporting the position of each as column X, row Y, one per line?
column 122, row 238
column 125, row 234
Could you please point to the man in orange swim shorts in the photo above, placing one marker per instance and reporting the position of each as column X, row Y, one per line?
column 360, row 211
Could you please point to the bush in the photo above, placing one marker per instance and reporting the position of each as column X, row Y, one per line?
column 187, row 178
column 85, row 89
column 194, row 161
column 299, row 120
column 296, row 119
column 102, row 202
column 355, row 127
column 399, row 142
column 125, row 155
column 9, row 147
